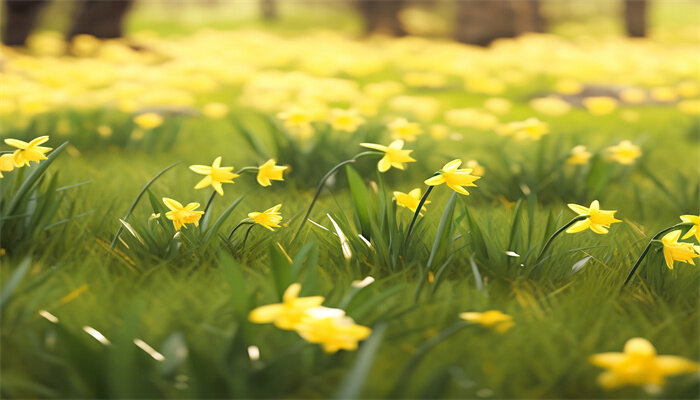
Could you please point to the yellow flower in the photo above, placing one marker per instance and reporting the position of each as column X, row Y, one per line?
column 598, row 220
column 27, row 152
column 498, row 105
column 269, row 218
column 633, row 95
column 639, row 365
column 551, row 105
column 493, row 319
column 402, row 129
column 332, row 329
column 477, row 169
column 345, row 120
column 690, row 107
column 215, row 110
column 624, row 153
column 579, row 155
column 7, row 163
column 182, row 215
column 568, row 86
column 298, row 122
column 678, row 251
column 215, row 175
column 455, row 178
column 270, row 171
column 600, row 105
column 394, row 155
column 148, row 120
column 531, row 128
column 410, row 200
column 288, row 314
column 695, row 229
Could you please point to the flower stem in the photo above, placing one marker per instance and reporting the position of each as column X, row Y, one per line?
column 211, row 198
column 415, row 215
column 555, row 234
column 246, row 169
column 319, row 187
column 243, row 222
column 648, row 247
column 245, row 238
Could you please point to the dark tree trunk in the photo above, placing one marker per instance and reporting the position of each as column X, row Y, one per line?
column 382, row 16
column 636, row 18
column 102, row 19
column 268, row 9
column 20, row 19
column 482, row 21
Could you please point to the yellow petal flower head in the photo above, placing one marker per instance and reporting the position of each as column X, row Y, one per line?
column 28, row 152
column 7, row 163
column 332, row 329
column 598, row 220
column 298, row 122
column 531, row 128
column 695, row 229
column 410, row 200
column 215, row 110
column 182, row 215
column 624, row 152
column 402, row 129
column 455, row 178
column 288, row 314
column 477, row 169
column 678, row 251
column 492, row 319
column 215, row 175
column 600, row 105
column 394, row 155
column 269, row 171
column 345, row 120
column 639, row 365
column 579, row 155
column 269, row 218
column 148, row 120
column 550, row 105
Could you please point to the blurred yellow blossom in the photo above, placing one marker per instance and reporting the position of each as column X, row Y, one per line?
column 600, row 105
column 345, row 120
column 270, row 171
column 531, row 128
column 695, row 229
column 182, row 215
column 663, row 94
column 598, row 220
column 215, row 110
column 568, row 86
column 477, row 169
column 215, row 175
column 690, row 107
column 550, row 105
column 633, row 95
column 498, row 105
column 394, row 155
column 678, row 251
column 269, row 218
column 410, row 200
column 400, row 128
column 7, row 163
column 492, row 319
column 148, row 120
column 297, row 121
column 455, row 178
column 579, row 155
column 288, row 314
column 639, row 365
column 331, row 328
column 688, row 89
column 439, row 131
column 624, row 152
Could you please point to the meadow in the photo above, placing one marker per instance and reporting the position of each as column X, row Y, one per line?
column 111, row 289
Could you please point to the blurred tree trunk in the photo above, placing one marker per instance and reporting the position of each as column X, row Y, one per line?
column 382, row 16
column 268, row 9
column 482, row 21
column 636, row 18
column 21, row 17
column 102, row 19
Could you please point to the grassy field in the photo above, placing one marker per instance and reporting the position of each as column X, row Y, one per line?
column 166, row 314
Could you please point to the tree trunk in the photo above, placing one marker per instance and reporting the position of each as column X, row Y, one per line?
column 101, row 18
column 268, row 9
column 482, row 21
column 636, row 18
column 382, row 16
column 21, row 17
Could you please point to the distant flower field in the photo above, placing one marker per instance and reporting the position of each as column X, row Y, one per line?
column 242, row 214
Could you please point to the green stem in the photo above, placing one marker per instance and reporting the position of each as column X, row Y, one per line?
column 555, row 234
column 245, row 238
column 211, row 198
column 319, row 187
column 243, row 222
column 136, row 201
column 420, row 206
column 648, row 247
column 246, row 169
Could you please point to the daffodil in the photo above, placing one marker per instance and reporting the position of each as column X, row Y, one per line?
column 394, row 155
column 332, row 329
column 215, row 110
column 455, row 178
column 579, row 155
column 345, row 120
column 288, row 314
column 7, row 163
column 639, row 365
column 477, row 169
column 624, row 153
column 215, row 175
column 402, row 129
column 28, row 152
column 600, row 105
column 678, row 251
column 297, row 121
column 269, row 218
column 492, row 319
column 531, row 128
column 148, row 120
column 182, row 215
column 410, row 200
column 598, row 220
column 695, row 229
column 269, row 171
